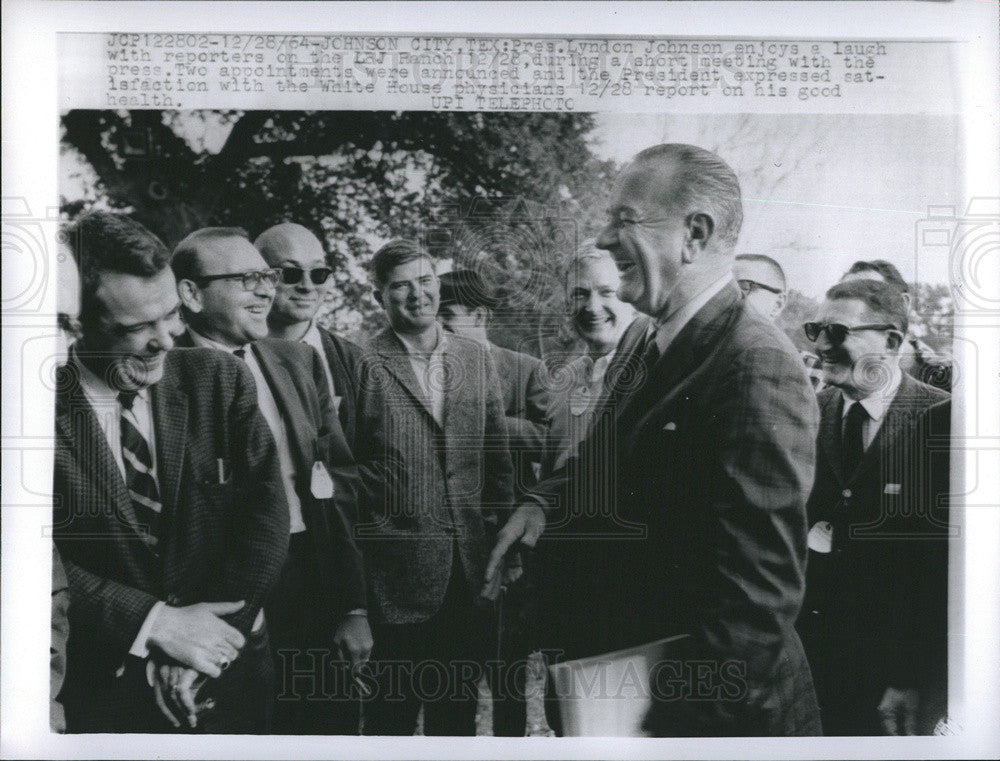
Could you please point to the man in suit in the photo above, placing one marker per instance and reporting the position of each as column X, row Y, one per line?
column 600, row 319
column 168, row 510
column 875, row 608
column 916, row 358
column 465, row 310
column 708, row 434
column 762, row 281
column 317, row 611
column 434, row 459
column 302, row 289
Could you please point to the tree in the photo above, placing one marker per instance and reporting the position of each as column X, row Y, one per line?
column 356, row 178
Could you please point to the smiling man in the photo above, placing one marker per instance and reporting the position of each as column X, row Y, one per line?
column 709, row 427
column 434, row 460
column 317, row 612
column 169, row 514
column 600, row 319
column 874, row 617
column 304, row 285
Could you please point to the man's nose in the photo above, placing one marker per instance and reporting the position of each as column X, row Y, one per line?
column 166, row 334
column 593, row 304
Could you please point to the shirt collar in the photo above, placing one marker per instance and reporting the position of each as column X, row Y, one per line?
column 668, row 326
column 414, row 351
column 97, row 390
column 877, row 403
column 312, row 336
column 199, row 340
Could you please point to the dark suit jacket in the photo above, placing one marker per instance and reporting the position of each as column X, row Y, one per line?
column 700, row 527
column 882, row 590
column 343, row 358
column 526, row 402
column 220, row 542
column 428, row 489
column 298, row 383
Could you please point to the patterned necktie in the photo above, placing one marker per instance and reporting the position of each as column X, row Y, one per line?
column 853, row 442
column 142, row 486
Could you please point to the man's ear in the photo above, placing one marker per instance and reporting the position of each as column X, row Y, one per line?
column 893, row 340
column 700, row 228
column 190, row 295
column 482, row 316
column 779, row 305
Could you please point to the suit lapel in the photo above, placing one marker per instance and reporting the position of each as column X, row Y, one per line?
column 396, row 361
column 899, row 417
column 170, row 420
column 76, row 421
column 283, row 388
column 829, row 434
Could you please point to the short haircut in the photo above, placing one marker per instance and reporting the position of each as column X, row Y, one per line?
column 702, row 181
column 186, row 260
column 103, row 241
column 466, row 288
column 273, row 242
column 765, row 259
column 887, row 270
column 394, row 253
column 881, row 299
column 587, row 252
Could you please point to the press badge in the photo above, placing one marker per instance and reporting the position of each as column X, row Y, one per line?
column 579, row 401
column 321, row 485
column 821, row 537
column 892, row 489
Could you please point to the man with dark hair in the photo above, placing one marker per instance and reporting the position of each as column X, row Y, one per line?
column 169, row 515
column 305, row 283
column 877, row 554
column 709, row 429
column 465, row 310
column 434, row 460
column 916, row 357
column 763, row 283
column 316, row 613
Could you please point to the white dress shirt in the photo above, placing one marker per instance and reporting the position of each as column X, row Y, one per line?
column 428, row 366
column 272, row 414
column 669, row 326
column 875, row 405
column 315, row 340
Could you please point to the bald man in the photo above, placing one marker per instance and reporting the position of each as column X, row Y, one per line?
column 305, row 281
column 763, row 283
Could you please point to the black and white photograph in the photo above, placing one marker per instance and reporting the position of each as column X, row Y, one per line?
column 600, row 387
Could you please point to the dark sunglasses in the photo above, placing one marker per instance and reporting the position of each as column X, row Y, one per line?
column 294, row 275
column 749, row 286
column 251, row 279
column 836, row 332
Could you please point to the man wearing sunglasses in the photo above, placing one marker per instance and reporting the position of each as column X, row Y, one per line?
column 763, row 283
column 317, row 612
column 873, row 618
column 302, row 289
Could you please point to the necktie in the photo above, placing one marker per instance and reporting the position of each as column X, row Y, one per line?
column 854, row 444
column 241, row 353
column 142, row 487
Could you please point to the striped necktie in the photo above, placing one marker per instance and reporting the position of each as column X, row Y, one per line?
column 142, row 486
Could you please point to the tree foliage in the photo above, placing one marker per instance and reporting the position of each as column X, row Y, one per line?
column 507, row 185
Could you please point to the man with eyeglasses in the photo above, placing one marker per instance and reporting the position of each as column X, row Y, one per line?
column 302, row 289
column 874, row 617
column 317, row 612
column 763, row 283
column 168, row 510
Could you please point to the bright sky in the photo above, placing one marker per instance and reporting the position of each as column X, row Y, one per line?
column 821, row 192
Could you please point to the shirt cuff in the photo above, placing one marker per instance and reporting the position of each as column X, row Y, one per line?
column 140, row 647
column 357, row 612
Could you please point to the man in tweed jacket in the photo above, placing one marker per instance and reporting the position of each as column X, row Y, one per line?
column 169, row 553
column 432, row 451
column 706, row 442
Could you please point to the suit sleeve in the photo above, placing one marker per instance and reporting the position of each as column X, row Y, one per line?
column 498, row 468
column 342, row 510
column 764, row 429
column 260, row 525
column 527, row 430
